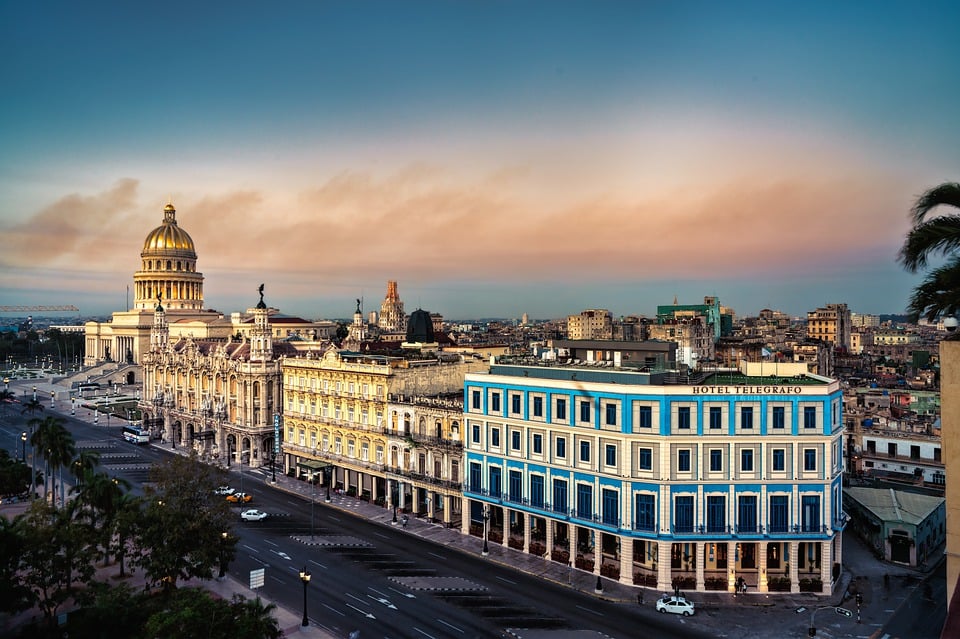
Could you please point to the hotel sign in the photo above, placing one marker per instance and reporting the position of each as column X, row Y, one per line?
column 747, row 390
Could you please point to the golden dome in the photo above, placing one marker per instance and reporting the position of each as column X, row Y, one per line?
column 169, row 236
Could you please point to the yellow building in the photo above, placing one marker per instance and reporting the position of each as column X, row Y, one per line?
column 352, row 416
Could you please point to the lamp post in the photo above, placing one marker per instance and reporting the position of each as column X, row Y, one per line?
column 23, row 447
column 73, row 406
column 53, row 396
column 223, row 547
column 327, row 473
column 34, row 393
column 305, row 578
column 313, row 500
column 486, row 520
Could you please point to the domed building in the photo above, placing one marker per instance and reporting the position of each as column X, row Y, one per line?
column 168, row 275
column 168, row 268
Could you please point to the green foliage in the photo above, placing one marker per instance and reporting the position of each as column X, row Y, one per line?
column 14, row 475
column 193, row 613
column 180, row 528
column 939, row 293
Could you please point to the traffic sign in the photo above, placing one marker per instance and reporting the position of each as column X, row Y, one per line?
column 844, row 612
column 256, row 578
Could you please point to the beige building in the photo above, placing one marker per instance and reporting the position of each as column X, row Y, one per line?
column 219, row 396
column 590, row 324
column 392, row 318
column 830, row 324
column 950, row 415
column 168, row 274
column 355, row 417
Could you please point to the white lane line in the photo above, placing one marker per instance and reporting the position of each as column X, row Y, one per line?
column 450, row 626
column 424, row 633
column 593, row 612
column 436, row 555
column 318, row 564
column 342, row 614
column 507, row 580
column 251, row 548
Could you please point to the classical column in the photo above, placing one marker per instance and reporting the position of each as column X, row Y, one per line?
column 794, row 567
column 447, row 509
column 430, row 499
column 465, row 520
column 548, row 531
column 526, row 533
column 505, row 526
column 731, row 566
column 700, row 548
column 626, row 560
column 762, row 579
column 664, row 583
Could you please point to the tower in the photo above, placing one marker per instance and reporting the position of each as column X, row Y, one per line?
column 392, row 317
column 160, row 333
column 261, row 337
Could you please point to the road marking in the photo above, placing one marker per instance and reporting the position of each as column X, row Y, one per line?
column 251, row 548
column 377, row 591
column 424, row 633
column 355, row 597
column 593, row 612
column 381, row 535
column 385, row 602
column 293, row 503
column 271, row 542
column 439, row 556
column 450, row 626
column 408, row 595
column 342, row 614
column 318, row 564
column 365, row 614
column 333, row 518
column 507, row 580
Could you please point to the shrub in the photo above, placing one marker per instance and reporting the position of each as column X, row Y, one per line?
column 779, row 584
column 611, row 571
column 715, row 583
column 537, row 548
column 515, row 542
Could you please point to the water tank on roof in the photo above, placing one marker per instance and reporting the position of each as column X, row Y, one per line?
column 868, row 423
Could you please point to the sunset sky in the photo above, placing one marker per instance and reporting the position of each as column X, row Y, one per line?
column 494, row 158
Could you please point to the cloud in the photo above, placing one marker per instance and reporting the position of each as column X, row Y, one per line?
column 74, row 230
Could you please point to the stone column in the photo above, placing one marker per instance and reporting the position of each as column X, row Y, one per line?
column 526, row 533
column 700, row 554
column 626, row 560
column 762, row 579
column 447, row 508
column 731, row 566
column 465, row 520
column 794, row 566
column 430, row 499
column 548, row 529
column 663, row 567
column 505, row 524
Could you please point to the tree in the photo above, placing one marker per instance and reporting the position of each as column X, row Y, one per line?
column 100, row 498
column 14, row 596
column 32, row 406
column 14, row 475
column 51, row 438
column 179, row 536
column 54, row 549
column 193, row 613
column 939, row 293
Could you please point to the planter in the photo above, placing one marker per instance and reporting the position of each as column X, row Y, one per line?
column 715, row 583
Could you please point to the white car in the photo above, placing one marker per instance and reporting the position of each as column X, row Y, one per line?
column 253, row 515
column 676, row 605
column 223, row 490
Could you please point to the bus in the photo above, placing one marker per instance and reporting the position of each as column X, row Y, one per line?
column 136, row 434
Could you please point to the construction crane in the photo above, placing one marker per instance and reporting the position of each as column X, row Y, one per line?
column 37, row 309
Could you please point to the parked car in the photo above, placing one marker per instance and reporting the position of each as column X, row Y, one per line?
column 239, row 498
column 676, row 605
column 223, row 490
column 253, row 515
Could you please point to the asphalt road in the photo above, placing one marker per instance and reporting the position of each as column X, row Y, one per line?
column 363, row 582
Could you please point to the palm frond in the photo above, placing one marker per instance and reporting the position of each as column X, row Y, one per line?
column 938, row 294
column 940, row 235
column 947, row 194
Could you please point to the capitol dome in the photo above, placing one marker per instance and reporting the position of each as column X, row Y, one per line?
column 168, row 269
column 169, row 237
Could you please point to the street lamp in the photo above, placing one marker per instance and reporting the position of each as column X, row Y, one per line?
column 34, row 393
column 223, row 562
column 327, row 472
column 73, row 405
column 486, row 520
column 305, row 578
column 23, row 443
column 53, row 396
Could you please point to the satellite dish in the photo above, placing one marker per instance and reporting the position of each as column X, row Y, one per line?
column 950, row 323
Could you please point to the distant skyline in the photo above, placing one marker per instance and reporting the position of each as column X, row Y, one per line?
column 494, row 158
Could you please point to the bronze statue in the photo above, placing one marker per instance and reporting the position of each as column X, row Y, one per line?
column 261, row 293
column 358, row 304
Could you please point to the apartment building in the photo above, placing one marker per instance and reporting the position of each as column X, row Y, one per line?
column 830, row 324
column 590, row 324
column 362, row 422
column 637, row 477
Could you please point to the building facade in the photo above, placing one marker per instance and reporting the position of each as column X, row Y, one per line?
column 590, row 324
column 219, row 396
column 662, row 484
column 367, row 421
column 830, row 324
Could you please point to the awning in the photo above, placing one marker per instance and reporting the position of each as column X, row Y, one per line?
column 312, row 465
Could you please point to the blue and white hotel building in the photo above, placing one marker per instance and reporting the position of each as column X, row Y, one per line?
column 660, row 480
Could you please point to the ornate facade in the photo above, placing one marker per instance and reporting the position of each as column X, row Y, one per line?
column 220, row 396
column 353, row 416
column 392, row 318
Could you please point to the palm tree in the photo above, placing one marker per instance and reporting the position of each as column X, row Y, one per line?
column 33, row 406
column 83, row 466
column 939, row 293
column 60, row 451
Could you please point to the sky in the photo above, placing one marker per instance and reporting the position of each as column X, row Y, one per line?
column 494, row 158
